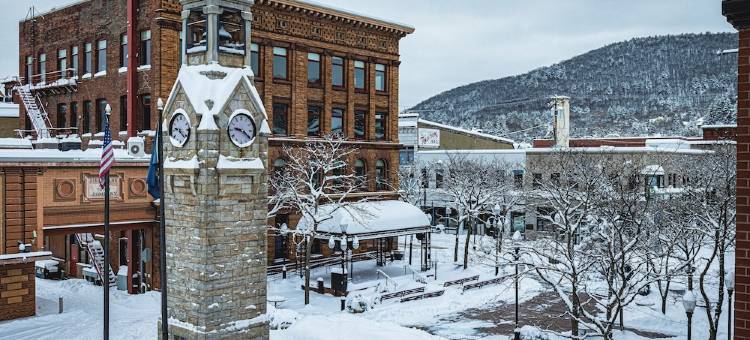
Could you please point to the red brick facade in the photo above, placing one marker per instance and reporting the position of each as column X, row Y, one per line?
column 738, row 14
column 17, row 291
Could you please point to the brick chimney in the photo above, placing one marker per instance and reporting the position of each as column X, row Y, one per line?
column 738, row 14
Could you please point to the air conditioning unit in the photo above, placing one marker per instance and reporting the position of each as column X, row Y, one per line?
column 135, row 147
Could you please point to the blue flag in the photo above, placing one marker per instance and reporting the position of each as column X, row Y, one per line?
column 153, row 169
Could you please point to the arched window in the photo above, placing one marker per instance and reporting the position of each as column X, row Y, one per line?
column 381, row 175
column 360, row 170
column 231, row 32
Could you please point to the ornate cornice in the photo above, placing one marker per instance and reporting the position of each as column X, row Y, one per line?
column 737, row 13
column 338, row 16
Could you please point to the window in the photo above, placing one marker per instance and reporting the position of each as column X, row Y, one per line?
column 196, row 37
column 337, row 121
column 280, row 63
column 62, row 115
column 360, row 124
column 537, row 181
column 338, row 71
column 313, row 69
column 29, row 69
column 517, row 179
column 101, row 112
column 381, row 121
column 145, row 112
column 74, row 60
column 439, row 180
column 424, row 179
column 123, row 50
column 87, row 58
column 255, row 59
column 231, row 32
column 381, row 176
column 360, row 170
column 62, row 63
column 74, row 114
column 406, row 156
column 380, row 77
column 278, row 165
column 101, row 56
column 555, row 178
column 123, row 113
column 359, row 75
column 280, row 119
column 42, row 68
column 86, row 119
column 672, row 180
column 313, row 120
column 144, row 54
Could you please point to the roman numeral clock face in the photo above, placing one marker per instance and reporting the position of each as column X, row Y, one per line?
column 179, row 129
column 241, row 129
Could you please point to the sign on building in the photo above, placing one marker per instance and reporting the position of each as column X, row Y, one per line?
column 92, row 190
column 429, row 138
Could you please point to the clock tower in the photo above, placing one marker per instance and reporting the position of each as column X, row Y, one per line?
column 215, row 162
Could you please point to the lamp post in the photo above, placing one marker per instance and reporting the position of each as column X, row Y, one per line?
column 497, row 210
column 730, row 289
column 688, row 301
column 516, row 245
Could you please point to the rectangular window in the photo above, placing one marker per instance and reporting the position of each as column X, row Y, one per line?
column 381, row 122
column 555, row 178
column 537, row 181
column 337, row 121
column 74, row 60
column 74, row 114
column 87, row 58
column 380, row 77
column 123, row 113
column 101, row 56
column 43, row 68
column 255, row 59
column 29, row 69
column 86, row 119
column 144, row 53
column 313, row 68
column 145, row 112
column 62, row 63
column 359, row 75
column 338, row 71
column 280, row 63
column 62, row 115
column 313, row 120
column 123, row 50
column 101, row 111
column 517, row 179
column 360, row 124
column 280, row 119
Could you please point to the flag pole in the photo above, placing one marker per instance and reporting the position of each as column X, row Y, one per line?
column 105, row 271
column 162, row 228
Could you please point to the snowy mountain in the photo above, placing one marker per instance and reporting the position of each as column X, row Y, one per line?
column 664, row 85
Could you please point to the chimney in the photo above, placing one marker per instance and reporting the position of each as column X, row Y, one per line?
column 561, row 120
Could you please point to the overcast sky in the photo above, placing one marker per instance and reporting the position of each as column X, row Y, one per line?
column 459, row 42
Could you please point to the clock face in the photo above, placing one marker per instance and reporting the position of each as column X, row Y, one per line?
column 179, row 129
column 241, row 129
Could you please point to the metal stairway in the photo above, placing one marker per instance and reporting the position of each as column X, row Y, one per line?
column 96, row 254
column 37, row 114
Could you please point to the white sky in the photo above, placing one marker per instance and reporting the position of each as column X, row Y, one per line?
column 459, row 42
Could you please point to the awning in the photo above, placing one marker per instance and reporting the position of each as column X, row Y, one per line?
column 369, row 220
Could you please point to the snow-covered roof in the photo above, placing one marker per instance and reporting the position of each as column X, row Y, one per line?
column 239, row 163
column 719, row 126
column 8, row 110
column 209, row 95
column 612, row 149
column 15, row 143
column 23, row 257
column 56, row 156
column 462, row 130
column 403, row 26
column 368, row 219
column 510, row 156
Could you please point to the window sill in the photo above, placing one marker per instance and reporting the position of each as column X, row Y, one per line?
column 281, row 81
column 363, row 91
column 123, row 69
column 100, row 74
column 381, row 93
column 86, row 76
column 338, row 88
column 315, row 85
column 144, row 67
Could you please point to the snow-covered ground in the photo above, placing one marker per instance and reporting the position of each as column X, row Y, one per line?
column 135, row 316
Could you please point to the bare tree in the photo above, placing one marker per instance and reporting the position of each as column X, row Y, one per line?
column 410, row 184
column 315, row 182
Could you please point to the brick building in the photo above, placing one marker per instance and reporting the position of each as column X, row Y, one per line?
column 738, row 14
column 318, row 70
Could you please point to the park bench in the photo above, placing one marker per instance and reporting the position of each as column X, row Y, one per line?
column 480, row 284
column 460, row 281
column 401, row 293
column 423, row 296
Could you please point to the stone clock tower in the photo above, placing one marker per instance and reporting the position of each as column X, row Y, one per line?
column 216, row 189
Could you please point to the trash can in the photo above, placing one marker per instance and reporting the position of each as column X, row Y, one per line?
column 338, row 282
column 122, row 278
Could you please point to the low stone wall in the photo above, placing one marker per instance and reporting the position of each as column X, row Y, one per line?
column 17, row 291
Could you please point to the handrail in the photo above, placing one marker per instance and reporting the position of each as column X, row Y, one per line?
column 93, row 258
column 387, row 278
column 414, row 275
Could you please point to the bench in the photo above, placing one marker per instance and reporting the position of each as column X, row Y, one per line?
column 480, row 284
column 460, row 281
column 423, row 296
column 401, row 293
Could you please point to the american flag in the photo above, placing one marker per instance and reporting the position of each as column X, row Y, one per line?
column 108, row 154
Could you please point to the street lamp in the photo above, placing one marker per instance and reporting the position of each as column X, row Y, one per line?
column 730, row 289
column 516, row 245
column 688, row 301
column 497, row 210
